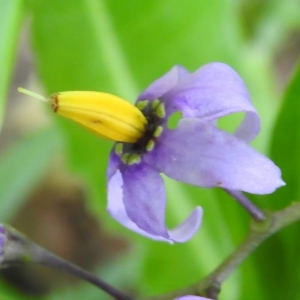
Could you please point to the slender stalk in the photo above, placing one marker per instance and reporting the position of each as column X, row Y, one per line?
column 43, row 257
column 252, row 209
column 259, row 231
column 17, row 248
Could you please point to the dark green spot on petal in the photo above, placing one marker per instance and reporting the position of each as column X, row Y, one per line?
column 119, row 149
column 125, row 157
column 158, row 131
column 134, row 159
column 150, row 145
column 154, row 104
column 131, row 158
column 142, row 104
column 160, row 110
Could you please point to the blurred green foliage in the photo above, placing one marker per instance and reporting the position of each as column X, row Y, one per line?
column 120, row 47
column 11, row 15
column 22, row 167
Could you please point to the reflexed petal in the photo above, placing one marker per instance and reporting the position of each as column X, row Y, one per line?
column 201, row 154
column 164, row 84
column 188, row 227
column 136, row 199
column 213, row 91
column 144, row 198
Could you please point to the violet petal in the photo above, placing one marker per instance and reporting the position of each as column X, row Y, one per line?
column 213, row 91
column 164, row 84
column 136, row 199
column 199, row 153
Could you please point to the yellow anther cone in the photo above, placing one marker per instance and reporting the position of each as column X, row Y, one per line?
column 107, row 115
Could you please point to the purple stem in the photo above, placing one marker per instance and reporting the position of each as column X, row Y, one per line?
column 252, row 209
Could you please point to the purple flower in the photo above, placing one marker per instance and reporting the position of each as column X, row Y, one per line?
column 2, row 242
column 196, row 152
column 191, row 297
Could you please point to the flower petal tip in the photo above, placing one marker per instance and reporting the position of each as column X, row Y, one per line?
column 270, row 182
column 280, row 183
column 188, row 228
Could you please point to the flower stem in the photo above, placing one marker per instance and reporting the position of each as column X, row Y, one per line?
column 259, row 231
column 18, row 248
column 252, row 209
column 46, row 258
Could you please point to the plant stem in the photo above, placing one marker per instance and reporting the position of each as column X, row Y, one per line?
column 259, row 231
column 46, row 258
column 18, row 248
column 252, row 209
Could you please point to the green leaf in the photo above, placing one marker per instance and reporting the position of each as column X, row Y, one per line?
column 11, row 14
column 285, row 144
column 21, row 168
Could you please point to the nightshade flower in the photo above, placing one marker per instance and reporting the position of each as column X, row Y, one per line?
column 195, row 152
